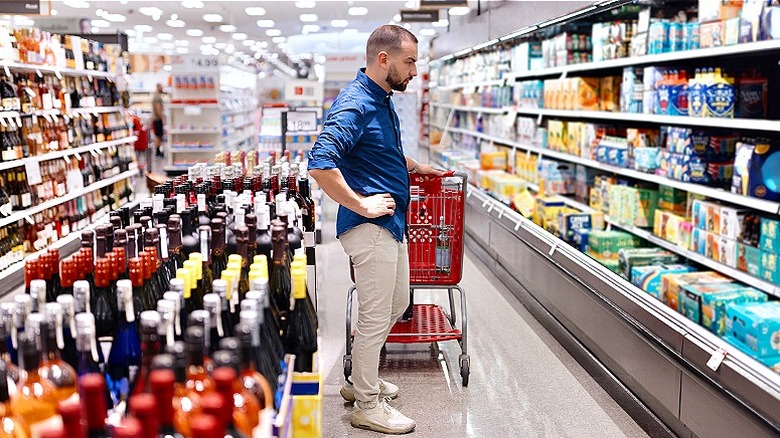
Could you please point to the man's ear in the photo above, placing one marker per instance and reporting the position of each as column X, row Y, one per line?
column 382, row 59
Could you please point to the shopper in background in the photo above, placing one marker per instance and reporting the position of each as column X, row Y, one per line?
column 359, row 162
column 158, row 119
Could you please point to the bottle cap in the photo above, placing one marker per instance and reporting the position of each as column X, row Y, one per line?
column 68, row 272
column 219, row 287
column 150, row 320
column 198, row 259
column 249, row 317
column 206, row 426
column 235, row 258
column 120, row 238
column 38, row 293
column 164, row 363
column 131, row 427
column 30, row 355
column 177, row 285
column 222, row 358
column 195, row 338
column 70, row 411
column 148, row 264
column 136, row 271
column 102, row 273
column 114, row 263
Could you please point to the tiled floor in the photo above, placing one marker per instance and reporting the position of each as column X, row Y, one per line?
column 523, row 383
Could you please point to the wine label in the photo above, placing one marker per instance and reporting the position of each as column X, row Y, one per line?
column 201, row 202
column 164, row 242
column 26, row 200
column 204, row 245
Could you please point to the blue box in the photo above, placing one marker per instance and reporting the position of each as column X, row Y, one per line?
column 713, row 306
column 769, row 269
column 757, row 171
column 648, row 278
column 580, row 239
column 770, row 235
column 691, row 296
column 755, row 326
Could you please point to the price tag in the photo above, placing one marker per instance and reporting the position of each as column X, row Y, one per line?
column 552, row 249
column 492, row 205
column 539, row 120
column 191, row 110
column 500, row 213
column 485, row 203
column 33, row 169
column 301, row 121
column 717, row 358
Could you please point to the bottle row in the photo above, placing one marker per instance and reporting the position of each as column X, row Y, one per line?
column 34, row 46
column 41, row 135
column 28, row 92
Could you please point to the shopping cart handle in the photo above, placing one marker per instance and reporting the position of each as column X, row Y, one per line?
column 449, row 173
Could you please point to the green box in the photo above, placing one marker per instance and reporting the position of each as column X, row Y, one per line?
column 630, row 257
column 606, row 244
column 770, row 235
column 769, row 270
column 749, row 259
column 713, row 306
column 672, row 199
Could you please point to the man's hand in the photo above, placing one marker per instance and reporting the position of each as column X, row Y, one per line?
column 427, row 169
column 377, row 205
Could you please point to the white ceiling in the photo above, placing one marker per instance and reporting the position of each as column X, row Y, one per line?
column 155, row 33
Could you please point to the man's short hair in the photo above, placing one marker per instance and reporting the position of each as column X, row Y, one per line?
column 388, row 38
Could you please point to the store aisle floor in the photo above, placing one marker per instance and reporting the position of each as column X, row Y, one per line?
column 523, row 383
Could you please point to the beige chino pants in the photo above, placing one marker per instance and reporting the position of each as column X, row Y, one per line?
column 381, row 266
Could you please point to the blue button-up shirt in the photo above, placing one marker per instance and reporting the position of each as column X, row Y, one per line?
column 362, row 138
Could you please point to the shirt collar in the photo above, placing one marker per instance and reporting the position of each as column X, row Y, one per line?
column 373, row 88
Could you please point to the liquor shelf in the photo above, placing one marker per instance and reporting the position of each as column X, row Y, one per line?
column 66, row 153
column 473, row 109
column 40, row 69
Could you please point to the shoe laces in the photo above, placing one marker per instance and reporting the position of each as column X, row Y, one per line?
column 386, row 407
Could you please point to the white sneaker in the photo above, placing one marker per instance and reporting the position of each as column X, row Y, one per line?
column 381, row 417
column 386, row 390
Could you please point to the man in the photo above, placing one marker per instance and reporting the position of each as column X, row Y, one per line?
column 158, row 119
column 359, row 162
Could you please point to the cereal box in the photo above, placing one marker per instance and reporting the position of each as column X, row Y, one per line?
column 649, row 277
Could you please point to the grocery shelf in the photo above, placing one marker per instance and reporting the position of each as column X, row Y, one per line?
column 67, row 152
column 194, row 150
column 476, row 84
column 19, row 215
column 710, row 192
column 705, row 122
column 60, row 243
column 15, row 66
column 754, row 48
column 57, row 112
column 473, row 109
column 97, row 110
column 193, row 131
column 743, row 277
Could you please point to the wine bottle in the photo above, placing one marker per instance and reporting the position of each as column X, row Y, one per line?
column 128, row 427
column 198, row 380
column 206, row 426
column 270, row 331
column 162, row 384
column 280, row 274
column 6, row 312
column 242, row 410
column 143, row 406
column 14, row 425
column 177, row 289
column 175, row 246
column 67, row 304
column 36, row 399
column 38, row 294
column 169, row 312
column 255, row 376
column 86, row 345
column 202, row 319
column 300, row 335
column 212, row 304
column 92, row 388
column 215, row 404
column 167, row 267
column 227, row 316
column 151, row 346
column 125, row 356
column 219, row 258
column 53, row 368
column 70, row 411
column 204, row 232
column 251, row 224
column 141, row 299
column 105, row 314
column 190, row 243
column 242, row 239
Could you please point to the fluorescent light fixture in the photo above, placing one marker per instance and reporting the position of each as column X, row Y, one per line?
column 209, row 39
column 261, row 75
column 182, row 43
column 441, row 23
column 182, row 50
column 518, row 33
column 397, row 18
column 230, row 48
column 273, row 32
column 100, row 12
column 248, row 43
column 76, row 4
column 460, row 53
column 168, row 45
column 308, row 18
column 53, row 12
column 206, row 47
column 174, row 16
column 220, row 46
column 264, row 44
column 228, row 28
column 239, row 36
column 194, row 32
column 459, row 10
column 100, row 23
column 175, row 23
column 115, row 18
column 192, row 4
column 411, row 4
column 164, row 36
column 150, row 40
column 95, row 30
column 168, row 67
column 212, row 18
column 310, row 28
column 255, row 11
column 265, row 23
column 339, row 23
column 357, row 10
column 143, row 28
column 150, row 11
column 351, row 31
column 279, row 39
column 428, row 32
column 407, row 26
column 305, row 4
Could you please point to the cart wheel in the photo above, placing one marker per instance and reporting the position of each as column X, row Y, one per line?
column 347, row 368
column 464, row 370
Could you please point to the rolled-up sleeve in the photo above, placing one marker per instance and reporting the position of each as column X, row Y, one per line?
column 341, row 132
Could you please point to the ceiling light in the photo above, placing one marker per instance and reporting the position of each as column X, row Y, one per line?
column 194, row 32
column 230, row 48
column 427, row 32
column 53, row 12
column 100, row 23
column 167, row 45
column 310, row 28
column 265, row 23
column 192, row 4
column 77, row 4
column 275, row 55
column 95, row 30
column 459, row 10
column 212, row 18
column 248, row 43
column 357, row 10
column 220, row 46
column 255, row 11
column 228, row 28
column 182, row 43
column 130, row 32
column 273, row 32
column 175, row 23
column 407, row 26
column 441, row 23
column 168, row 67
column 397, row 18
column 143, row 28
column 100, row 12
column 174, row 16
column 115, row 18
column 305, row 4
column 279, row 39
column 411, row 4
column 283, row 45
column 150, row 40
column 182, row 50
column 308, row 18
column 150, row 11
column 239, row 36
column 209, row 39
column 264, row 44
column 351, row 31
column 339, row 23
column 164, row 36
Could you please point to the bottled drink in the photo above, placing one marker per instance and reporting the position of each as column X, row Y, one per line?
column 280, row 275
column 256, row 367
column 70, row 411
column 37, row 294
column 143, row 406
column 204, row 232
column 36, row 399
column 242, row 410
column 66, row 302
column 129, row 428
column 216, row 405
column 269, row 329
column 125, row 356
column 211, row 304
column 14, row 426
column 150, row 347
column 92, row 388
column 105, row 313
column 162, row 386
column 6, row 312
column 301, row 334
column 175, row 241
column 219, row 258
column 227, row 317
column 53, row 368
column 177, row 289
column 206, row 426
column 242, row 240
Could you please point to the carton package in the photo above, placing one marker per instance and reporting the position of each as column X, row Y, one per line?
column 757, row 170
column 609, row 93
column 493, row 160
column 634, row 257
column 606, row 244
column 713, row 306
column 731, row 222
column 672, row 199
column 691, row 296
column 671, row 285
column 755, row 326
column 649, row 277
column 769, row 269
column 749, row 259
column 770, row 235
column 547, row 207
column 570, row 222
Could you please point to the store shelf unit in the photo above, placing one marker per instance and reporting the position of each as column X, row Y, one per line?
column 67, row 153
column 42, row 69
column 473, row 109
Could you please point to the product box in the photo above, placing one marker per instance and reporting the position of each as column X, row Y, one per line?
column 699, row 213
column 755, row 326
column 672, row 199
column 757, row 171
column 711, row 34
column 711, row 218
column 493, row 160
column 609, row 93
column 769, row 270
column 631, row 257
column 719, row 9
column 556, row 135
column 651, row 76
column 606, row 244
column 698, row 240
column 728, row 250
column 580, row 239
column 667, row 226
column 632, row 90
column 751, row 21
column 671, row 285
column 547, row 207
column 649, row 277
column 749, row 259
column 527, row 56
column 731, row 31
column 569, row 223
column 506, row 186
column 573, row 138
column 731, row 222
column 713, row 306
column 770, row 235
column 691, row 296
column 586, row 94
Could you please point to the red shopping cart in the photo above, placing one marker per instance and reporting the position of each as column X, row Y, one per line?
column 435, row 243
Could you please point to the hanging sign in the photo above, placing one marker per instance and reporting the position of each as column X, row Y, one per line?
column 442, row 3
column 420, row 16
column 21, row 7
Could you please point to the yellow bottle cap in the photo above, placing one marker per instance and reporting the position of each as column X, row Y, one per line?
column 192, row 266
column 299, row 284
column 301, row 257
column 262, row 268
column 184, row 274
column 254, row 275
column 260, row 258
column 235, row 258
column 198, row 258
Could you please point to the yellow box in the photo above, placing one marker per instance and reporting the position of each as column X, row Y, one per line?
column 585, row 94
column 307, row 409
column 506, row 186
column 609, row 93
column 574, row 137
column 493, row 160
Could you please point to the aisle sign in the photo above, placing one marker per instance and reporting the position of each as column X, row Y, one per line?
column 194, row 63
column 301, row 121
column 428, row 16
column 22, row 7
column 442, row 3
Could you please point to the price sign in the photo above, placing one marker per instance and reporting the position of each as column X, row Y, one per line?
column 194, row 63
column 301, row 121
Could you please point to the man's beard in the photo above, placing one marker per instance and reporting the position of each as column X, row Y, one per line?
column 394, row 81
